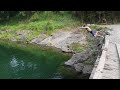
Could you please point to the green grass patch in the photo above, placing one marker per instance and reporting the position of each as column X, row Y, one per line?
column 99, row 28
column 78, row 47
column 46, row 22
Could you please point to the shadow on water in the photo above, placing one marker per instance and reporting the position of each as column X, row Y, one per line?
column 18, row 61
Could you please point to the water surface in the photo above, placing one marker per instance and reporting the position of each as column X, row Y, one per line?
column 24, row 61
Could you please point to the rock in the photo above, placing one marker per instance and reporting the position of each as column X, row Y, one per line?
column 87, row 69
column 79, row 58
column 79, row 67
column 61, row 40
column 73, row 60
column 39, row 39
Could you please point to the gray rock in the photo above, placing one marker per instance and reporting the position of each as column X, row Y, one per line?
column 79, row 67
column 39, row 39
column 61, row 40
column 87, row 69
column 79, row 58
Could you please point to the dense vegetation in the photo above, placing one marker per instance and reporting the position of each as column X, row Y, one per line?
column 34, row 23
column 28, row 25
column 12, row 23
column 85, row 16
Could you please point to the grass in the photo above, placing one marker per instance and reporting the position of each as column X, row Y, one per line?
column 99, row 28
column 78, row 47
column 46, row 22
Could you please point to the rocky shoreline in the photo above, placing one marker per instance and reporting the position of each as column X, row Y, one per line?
column 63, row 39
column 81, row 62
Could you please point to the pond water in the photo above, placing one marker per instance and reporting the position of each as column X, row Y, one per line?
column 25, row 61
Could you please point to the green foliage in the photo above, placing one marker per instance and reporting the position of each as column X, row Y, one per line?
column 78, row 47
column 99, row 28
column 49, row 26
column 34, row 17
column 98, row 16
column 6, row 15
column 37, row 21
column 48, row 21
column 84, row 16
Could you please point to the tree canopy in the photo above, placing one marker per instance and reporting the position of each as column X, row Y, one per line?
column 84, row 16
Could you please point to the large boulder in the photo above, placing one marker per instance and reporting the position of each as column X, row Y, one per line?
column 79, row 67
column 79, row 58
column 87, row 69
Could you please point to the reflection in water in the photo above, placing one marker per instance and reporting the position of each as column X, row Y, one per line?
column 20, row 68
column 21, row 65
column 29, row 65
column 14, row 67
column 30, row 62
column 14, row 62
column 57, row 76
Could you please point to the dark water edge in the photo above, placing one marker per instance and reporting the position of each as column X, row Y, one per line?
column 70, row 73
column 26, row 61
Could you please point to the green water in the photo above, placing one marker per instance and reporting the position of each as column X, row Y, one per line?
column 24, row 61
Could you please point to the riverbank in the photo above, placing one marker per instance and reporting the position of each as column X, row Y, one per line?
column 26, row 61
column 84, row 56
column 81, row 44
column 21, row 27
column 61, row 32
